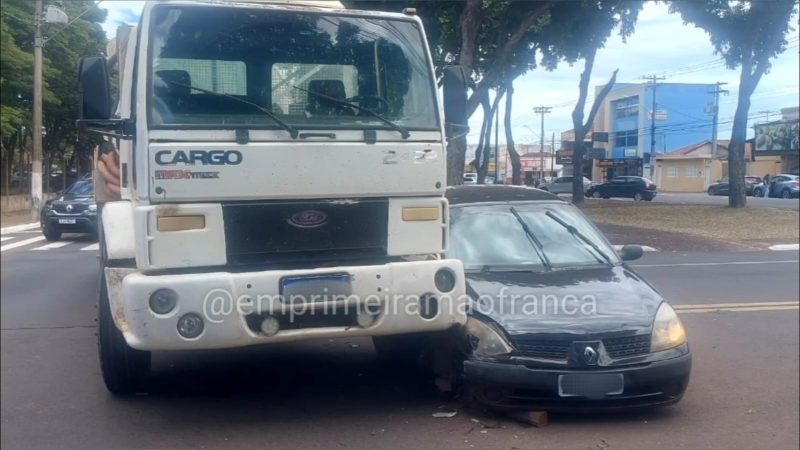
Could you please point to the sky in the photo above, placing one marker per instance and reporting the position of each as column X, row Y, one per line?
column 662, row 44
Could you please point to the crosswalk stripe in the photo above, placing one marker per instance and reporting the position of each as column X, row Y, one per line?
column 21, row 243
column 94, row 246
column 5, row 238
column 53, row 245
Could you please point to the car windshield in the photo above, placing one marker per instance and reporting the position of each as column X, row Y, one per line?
column 81, row 188
column 222, row 66
column 484, row 236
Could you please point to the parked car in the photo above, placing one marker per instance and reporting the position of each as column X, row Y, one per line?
column 74, row 211
column 470, row 178
column 559, row 320
column 637, row 188
column 780, row 186
column 563, row 185
column 722, row 187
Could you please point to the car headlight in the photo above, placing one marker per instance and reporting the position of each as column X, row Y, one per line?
column 93, row 207
column 668, row 330
column 485, row 340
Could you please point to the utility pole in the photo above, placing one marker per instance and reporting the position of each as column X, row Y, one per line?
column 552, row 154
column 36, row 161
column 715, row 112
column 541, row 110
column 496, row 141
column 654, row 79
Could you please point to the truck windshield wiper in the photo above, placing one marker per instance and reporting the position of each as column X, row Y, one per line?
column 292, row 130
column 574, row 232
column 537, row 243
column 403, row 131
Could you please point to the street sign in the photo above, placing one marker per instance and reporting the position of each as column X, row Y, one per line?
column 595, row 153
column 564, row 157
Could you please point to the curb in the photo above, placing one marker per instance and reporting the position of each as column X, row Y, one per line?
column 784, row 247
column 646, row 248
column 22, row 227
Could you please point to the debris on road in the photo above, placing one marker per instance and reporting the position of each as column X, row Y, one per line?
column 538, row 419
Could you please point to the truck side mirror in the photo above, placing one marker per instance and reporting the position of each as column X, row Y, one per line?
column 454, row 90
column 95, row 90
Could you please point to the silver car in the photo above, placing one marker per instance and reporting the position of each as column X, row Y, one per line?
column 563, row 185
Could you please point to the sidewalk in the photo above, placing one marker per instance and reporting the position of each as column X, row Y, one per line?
column 12, row 218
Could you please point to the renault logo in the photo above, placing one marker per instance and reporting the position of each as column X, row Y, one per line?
column 69, row 208
column 589, row 355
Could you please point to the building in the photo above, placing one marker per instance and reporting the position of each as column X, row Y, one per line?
column 693, row 168
column 629, row 132
column 779, row 139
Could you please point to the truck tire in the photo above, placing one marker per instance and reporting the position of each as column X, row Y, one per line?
column 124, row 368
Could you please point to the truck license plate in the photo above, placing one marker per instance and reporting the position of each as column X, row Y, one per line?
column 315, row 288
column 590, row 385
column 67, row 221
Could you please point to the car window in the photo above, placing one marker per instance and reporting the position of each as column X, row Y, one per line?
column 81, row 188
column 619, row 180
column 491, row 235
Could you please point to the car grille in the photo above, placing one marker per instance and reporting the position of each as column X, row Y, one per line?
column 543, row 349
column 627, row 346
column 76, row 208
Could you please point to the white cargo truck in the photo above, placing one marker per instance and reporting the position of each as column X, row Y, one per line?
column 282, row 177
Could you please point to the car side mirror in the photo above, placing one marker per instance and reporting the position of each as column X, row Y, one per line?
column 95, row 89
column 454, row 93
column 631, row 252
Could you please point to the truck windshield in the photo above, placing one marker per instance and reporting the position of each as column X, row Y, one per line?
column 294, row 64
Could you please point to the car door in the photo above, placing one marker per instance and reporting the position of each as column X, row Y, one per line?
column 775, row 184
column 616, row 187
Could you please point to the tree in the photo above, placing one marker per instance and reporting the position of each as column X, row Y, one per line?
column 747, row 34
column 516, row 163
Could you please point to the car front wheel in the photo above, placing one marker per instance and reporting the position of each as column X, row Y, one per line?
column 757, row 192
column 50, row 233
column 786, row 194
column 596, row 194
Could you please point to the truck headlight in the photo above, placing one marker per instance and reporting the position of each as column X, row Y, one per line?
column 485, row 340
column 668, row 330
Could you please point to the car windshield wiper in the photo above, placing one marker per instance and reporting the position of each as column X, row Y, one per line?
column 403, row 131
column 508, row 268
column 574, row 232
column 292, row 130
column 537, row 243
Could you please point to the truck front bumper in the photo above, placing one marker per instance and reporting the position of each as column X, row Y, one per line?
column 393, row 298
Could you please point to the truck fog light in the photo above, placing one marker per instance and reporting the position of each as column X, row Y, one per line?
column 428, row 306
column 190, row 325
column 162, row 301
column 445, row 280
column 270, row 326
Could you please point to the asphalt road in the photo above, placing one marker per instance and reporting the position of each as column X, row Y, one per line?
column 743, row 393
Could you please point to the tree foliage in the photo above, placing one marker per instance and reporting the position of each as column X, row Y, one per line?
column 63, row 47
column 748, row 35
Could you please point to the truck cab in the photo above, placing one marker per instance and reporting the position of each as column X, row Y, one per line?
column 282, row 170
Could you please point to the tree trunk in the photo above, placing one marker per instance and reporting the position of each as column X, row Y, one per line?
column 737, row 194
column 487, row 118
column 483, row 168
column 516, row 164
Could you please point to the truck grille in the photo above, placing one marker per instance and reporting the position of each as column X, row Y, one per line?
column 318, row 231
column 627, row 346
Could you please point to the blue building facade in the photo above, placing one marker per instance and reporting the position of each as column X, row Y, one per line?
column 683, row 115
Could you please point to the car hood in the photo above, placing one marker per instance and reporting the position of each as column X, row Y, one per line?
column 572, row 301
column 73, row 199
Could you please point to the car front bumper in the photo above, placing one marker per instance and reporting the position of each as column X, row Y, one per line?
column 508, row 385
column 84, row 223
column 234, row 304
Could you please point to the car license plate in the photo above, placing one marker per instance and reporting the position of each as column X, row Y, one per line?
column 590, row 385
column 315, row 288
column 67, row 221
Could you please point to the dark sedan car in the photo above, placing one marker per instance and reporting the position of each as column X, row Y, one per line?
column 637, row 188
column 74, row 211
column 722, row 187
column 558, row 320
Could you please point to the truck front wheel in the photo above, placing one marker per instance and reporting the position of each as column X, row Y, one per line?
column 124, row 368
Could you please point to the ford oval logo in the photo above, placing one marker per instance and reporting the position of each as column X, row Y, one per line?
column 308, row 219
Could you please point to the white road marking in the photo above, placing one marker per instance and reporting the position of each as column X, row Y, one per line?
column 737, row 307
column 21, row 243
column 95, row 246
column 52, row 245
column 15, row 228
column 5, row 238
column 730, row 263
column 784, row 247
